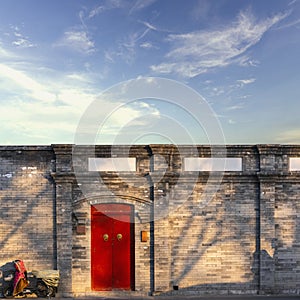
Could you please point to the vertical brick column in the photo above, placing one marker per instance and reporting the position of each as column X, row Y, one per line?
column 267, row 177
column 162, row 252
column 267, row 235
column 64, row 234
column 64, row 179
column 161, row 162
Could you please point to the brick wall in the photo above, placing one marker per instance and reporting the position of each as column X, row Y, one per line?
column 243, row 237
column 27, row 212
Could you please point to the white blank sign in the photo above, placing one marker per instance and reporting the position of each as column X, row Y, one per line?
column 294, row 164
column 112, row 164
column 212, row 164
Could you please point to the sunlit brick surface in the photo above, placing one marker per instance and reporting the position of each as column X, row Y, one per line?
column 246, row 239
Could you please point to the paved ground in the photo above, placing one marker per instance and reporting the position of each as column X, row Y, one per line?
column 227, row 297
column 202, row 298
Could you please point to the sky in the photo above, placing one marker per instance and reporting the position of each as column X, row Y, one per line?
column 60, row 57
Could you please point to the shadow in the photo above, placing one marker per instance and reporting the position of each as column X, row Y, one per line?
column 214, row 249
column 26, row 212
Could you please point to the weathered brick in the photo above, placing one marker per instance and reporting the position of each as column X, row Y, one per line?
column 244, row 237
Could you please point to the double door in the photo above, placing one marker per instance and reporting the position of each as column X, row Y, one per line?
column 112, row 246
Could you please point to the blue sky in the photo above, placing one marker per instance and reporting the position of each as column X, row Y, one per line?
column 58, row 56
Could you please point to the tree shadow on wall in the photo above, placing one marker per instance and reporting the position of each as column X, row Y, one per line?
column 24, row 234
column 215, row 237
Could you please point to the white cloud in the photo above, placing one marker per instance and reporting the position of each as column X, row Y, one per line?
column 243, row 82
column 108, row 5
column 33, row 89
column 75, row 97
column 147, row 45
column 247, row 81
column 43, row 111
column 291, row 24
column 96, row 11
column 292, row 2
column 149, row 26
column 245, row 61
column 235, row 107
column 32, row 123
column 196, row 52
column 78, row 77
column 291, row 136
column 4, row 54
column 141, row 4
column 78, row 41
column 21, row 41
column 48, row 110
column 127, row 47
column 109, row 56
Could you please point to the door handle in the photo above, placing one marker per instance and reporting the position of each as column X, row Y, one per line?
column 119, row 236
column 105, row 237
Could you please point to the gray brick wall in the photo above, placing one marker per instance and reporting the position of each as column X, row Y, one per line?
column 245, row 239
column 27, row 215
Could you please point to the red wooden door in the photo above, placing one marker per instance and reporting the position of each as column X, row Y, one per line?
column 112, row 261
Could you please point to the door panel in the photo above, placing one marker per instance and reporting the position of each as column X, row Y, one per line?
column 121, row 249
column 101, row 253
column 112, row 247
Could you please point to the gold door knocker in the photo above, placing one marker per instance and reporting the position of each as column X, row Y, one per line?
column 105, row 237
column 119, row 236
